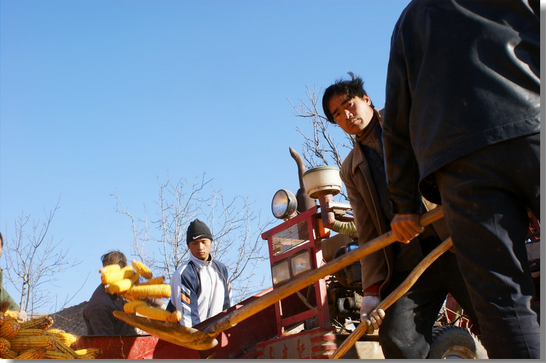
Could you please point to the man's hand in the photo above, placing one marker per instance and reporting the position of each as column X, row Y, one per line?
column 368, row 315
column 406, row 227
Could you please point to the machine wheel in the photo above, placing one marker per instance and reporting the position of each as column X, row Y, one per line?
column 453, row 342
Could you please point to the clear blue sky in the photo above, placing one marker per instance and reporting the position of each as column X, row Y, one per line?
column 103, row 96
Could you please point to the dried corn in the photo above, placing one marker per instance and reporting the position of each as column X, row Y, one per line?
column 118, row 287
column 130, row 306
column 12, row 314
column 65, row 337
column 142, row 269
column 11, row 354
column 95, row 352
column 5, row 346
column 37, row 353
column 43, row 322
column 108, row 268
column 141, row 291
column 63, row 348
column 10, row 328
column 175, row 317
column 36, row 341
column 53, row 354
column 153, row 312
column 85, row 356
column 24, row 332
column 154, row 281
column 112, row 276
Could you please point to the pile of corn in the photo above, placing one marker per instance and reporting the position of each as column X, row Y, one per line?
column 35, row 339
column 126, row 282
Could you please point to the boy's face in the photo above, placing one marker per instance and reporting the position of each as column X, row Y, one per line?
column 200, row 248
column 351, row 114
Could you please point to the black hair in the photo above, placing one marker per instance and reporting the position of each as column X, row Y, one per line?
column 352, row 88
column 1, row 240
column 114, row 257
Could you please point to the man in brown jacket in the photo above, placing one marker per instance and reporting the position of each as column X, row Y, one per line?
column 406, row 329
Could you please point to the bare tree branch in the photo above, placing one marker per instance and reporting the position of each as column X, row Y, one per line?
column 160, row 241
column 318, row 146
column 35, row 261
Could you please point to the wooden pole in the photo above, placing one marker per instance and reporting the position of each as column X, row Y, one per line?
column 311, row 276
column 393, row 296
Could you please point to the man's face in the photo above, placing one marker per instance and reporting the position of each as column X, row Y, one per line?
column 351, row 114
column 200, row 248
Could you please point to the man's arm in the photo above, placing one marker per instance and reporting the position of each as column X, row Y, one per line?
column 188, row 303
column 400, row 163
column 375, row 272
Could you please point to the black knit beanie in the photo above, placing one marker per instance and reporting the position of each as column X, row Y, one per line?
column 196, row 230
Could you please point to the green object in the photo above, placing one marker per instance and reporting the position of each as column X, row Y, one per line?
column 5, row 296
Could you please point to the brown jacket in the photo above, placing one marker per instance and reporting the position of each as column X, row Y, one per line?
column 371, row 222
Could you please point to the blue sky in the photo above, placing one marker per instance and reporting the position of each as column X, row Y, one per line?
column 103, row 96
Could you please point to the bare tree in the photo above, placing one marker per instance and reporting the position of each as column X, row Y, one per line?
column 320, row 148
column 160, row 241
column 34, row 261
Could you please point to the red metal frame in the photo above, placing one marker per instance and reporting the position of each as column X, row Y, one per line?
column 291, row 311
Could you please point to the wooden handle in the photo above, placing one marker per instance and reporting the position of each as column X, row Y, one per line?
column 393, row 296
column 311, row 276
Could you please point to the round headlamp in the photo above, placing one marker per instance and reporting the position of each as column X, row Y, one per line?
column 284, row 204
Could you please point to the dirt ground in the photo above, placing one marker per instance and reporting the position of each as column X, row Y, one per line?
column 71, row 319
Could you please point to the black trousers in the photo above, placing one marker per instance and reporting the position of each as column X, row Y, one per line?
column 484, row 196
column 406, row 331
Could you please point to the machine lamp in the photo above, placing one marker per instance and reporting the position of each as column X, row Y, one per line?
column 284, row 204
column 280, row 272
column 285, row 270
column 300, row 263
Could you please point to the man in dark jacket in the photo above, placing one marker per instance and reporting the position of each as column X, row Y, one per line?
column 462, row 128
column 406, row 329
column 98, row 314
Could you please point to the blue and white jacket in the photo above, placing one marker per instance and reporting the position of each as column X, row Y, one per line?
column 200, row 289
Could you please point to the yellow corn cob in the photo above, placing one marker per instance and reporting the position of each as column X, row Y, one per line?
column 43, row 322
column 4, row 306
column 30, row 332
column 119, row 286
column 12, row 314
column 10, row 328
column 85, row 356
column 63, row 348
column 108, row 268
column 153, row 312
column 53, row 354
column 11, row 354
column 112, row 276
column 95, row 352
column 5, row 346
column 66, row 338
column 36, row 341
column 158, row 290
column 2, row 318
column 37, row 353
column 131, row 305
column 154, row 281
column 142, row 269
column 175, row 317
